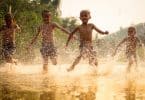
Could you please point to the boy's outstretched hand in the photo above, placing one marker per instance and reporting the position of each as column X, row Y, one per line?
column 106, row 32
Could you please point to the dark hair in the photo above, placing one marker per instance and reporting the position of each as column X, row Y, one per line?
column 8, row 16
column 46, row 11
column 131, row 27
column 86, row 12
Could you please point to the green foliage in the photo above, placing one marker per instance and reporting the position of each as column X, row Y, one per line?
column 27, row 14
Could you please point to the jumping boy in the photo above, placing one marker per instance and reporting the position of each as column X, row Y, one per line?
column 131, row 44
column 8, row 38
column 46, row 30
column 85, row 34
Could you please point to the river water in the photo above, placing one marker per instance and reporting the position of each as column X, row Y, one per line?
column 108, row 82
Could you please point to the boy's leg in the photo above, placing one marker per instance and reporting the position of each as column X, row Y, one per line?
column 9, row 51
column 45, row 63
column 53, row 54
column 129, row 64
column 54, row 60
column 77, row 60
column 93, row 61
column 135, row 60
column 92, row 58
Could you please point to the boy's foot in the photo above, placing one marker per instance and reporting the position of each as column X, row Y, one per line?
column 70, row 69
column 45, row 69
column 15, row 61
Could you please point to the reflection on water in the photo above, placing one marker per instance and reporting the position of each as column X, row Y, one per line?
column 28, row 83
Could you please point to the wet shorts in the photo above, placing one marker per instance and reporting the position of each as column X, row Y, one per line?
column 8, row 49
column 86, row 50
column 130, row 54
column 48, row 49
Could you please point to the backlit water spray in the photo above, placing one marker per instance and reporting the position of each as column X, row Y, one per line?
column 107, row 82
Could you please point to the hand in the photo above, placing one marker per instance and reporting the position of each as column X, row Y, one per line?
column 106, row 32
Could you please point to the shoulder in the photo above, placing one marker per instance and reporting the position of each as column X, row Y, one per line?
column 125, row 39
column 92, row 25
column 54, row 24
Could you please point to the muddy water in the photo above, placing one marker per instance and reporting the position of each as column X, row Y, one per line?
column 27, row 82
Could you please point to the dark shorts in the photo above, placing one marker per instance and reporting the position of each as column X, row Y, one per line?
column 48, row 50
column 8, row 49
column 130, row 54
column 86, row 51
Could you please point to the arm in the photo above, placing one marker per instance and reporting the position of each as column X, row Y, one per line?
column 139, row 41
column 34, row 39
column 99, row 31
column 119, row 45
column 62, row 29
column 70, row 36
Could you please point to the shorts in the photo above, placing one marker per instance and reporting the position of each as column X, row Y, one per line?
column 8, row 49
column 86, row 51
column 130, row 54
column 48, row 49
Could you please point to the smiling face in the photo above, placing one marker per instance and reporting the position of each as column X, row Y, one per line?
column 46, row 15
column 131, row 31
column 85, row 16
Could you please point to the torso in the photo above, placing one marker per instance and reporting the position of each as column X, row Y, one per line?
column 131, row 44
column 85, row 32
column 8, row 34
column 46, row 31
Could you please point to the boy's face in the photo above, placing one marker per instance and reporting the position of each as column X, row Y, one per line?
column 131, row 32
column 46, row 17
column 84, row 17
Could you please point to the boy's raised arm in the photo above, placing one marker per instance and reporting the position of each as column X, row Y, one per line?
column 100, row 31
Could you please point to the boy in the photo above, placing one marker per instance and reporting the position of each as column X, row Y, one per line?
column 131, row 44
column 46, row 30
column 85, row 33
column 8, row 38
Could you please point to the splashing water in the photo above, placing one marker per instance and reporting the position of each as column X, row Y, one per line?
column 111, row 82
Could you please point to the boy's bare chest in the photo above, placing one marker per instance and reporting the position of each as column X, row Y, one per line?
column 132, row 42
column 85, row 29
column 47, row 29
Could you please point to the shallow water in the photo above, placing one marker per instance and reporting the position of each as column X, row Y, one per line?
column 27, row 82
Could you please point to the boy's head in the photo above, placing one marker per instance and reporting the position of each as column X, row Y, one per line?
column 85, row 16
column 8, row 19
column 131, row 31
column 46, row 15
